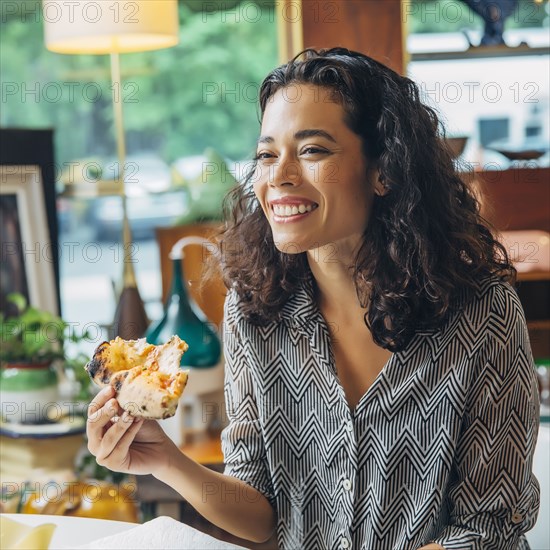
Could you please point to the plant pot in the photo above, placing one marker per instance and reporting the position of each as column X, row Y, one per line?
column 29, row 392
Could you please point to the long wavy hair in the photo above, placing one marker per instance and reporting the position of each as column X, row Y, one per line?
column 426, row 243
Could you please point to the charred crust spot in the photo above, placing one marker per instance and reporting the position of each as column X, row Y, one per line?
column 104, row 375
column 97, row 363
column 117, row 383
column 93, row 367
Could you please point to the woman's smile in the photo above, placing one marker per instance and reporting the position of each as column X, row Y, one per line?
column 291, row 209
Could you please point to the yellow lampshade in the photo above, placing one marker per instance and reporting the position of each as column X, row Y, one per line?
column 117, row 26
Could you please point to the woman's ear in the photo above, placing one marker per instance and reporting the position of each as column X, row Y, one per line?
column 376, row 180
column 380, row 188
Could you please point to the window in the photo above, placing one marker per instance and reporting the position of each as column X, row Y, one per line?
column 177, row 103
column 490, row 94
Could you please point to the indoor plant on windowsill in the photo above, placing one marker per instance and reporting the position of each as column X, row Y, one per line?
column 31, row 342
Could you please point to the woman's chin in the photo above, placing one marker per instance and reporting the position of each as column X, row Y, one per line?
column 290, row 247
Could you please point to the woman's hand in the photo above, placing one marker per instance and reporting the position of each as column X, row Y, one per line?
column 121, row 442
column 432, row 546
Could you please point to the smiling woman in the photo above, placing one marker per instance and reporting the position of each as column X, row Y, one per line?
column 380, row 387
column 364, row 282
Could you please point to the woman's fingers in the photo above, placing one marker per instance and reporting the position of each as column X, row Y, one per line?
column 101, row 417
column 111, row 431
column 121, row 451
column 100, row 399
column 113, row 435
column 101, row 412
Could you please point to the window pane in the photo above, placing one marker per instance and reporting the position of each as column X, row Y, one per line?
column 177, row 103
column 491, row 94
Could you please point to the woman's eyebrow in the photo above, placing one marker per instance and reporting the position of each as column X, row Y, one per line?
column 301, row 134
column 313, row 132
column 265, row 139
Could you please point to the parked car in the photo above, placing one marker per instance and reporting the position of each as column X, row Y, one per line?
column 151, row 201
column 144, row 213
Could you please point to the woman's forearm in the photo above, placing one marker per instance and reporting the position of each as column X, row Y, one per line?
column 225, row 501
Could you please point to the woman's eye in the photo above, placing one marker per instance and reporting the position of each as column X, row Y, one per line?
column 263, row 156
column 313, row 151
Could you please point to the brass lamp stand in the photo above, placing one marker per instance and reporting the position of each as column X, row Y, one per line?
column 122, row 26
column 130, row 320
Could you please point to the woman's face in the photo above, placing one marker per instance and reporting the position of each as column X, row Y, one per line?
column 312, row 179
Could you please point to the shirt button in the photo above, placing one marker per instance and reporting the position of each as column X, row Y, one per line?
column 347, row 484
column 344, row 543
column 517, row 517
column 349, row 426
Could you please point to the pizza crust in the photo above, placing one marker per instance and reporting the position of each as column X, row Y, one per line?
column 147, row 379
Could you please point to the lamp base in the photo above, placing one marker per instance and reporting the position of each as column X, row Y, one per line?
column 130, row 321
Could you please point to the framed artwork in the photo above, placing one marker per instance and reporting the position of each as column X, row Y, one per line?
column 34, row 147
column 26, row 264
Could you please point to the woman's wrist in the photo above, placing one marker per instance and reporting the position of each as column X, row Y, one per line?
column 172, row 462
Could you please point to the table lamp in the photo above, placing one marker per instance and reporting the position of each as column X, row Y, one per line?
column 115, row 27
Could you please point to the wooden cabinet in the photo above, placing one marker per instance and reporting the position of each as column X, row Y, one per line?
column 517, row 203
column 371, row 27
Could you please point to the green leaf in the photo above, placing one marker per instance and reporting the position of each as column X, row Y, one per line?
column 18, row 300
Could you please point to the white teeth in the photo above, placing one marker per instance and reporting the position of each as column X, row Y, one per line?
column 283, row 211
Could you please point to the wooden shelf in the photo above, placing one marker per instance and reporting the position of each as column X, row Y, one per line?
column 92, row 190
column 539, row 325
column 479, row 52
column 533, row 276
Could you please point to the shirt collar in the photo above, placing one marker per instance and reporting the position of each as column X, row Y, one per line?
column 301, row 309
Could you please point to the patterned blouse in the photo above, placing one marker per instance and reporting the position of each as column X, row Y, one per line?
column 439, row 448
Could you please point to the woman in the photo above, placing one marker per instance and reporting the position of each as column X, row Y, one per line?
column 380, row 386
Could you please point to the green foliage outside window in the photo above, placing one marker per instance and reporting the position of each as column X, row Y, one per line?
column 178, row 101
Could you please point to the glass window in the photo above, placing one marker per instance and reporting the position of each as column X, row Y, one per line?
column 177, row 103
column 495, row 95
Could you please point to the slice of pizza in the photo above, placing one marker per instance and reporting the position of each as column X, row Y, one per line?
column 148, row 379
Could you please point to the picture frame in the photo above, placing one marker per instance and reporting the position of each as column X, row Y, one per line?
column 35, row 147
column 27, row 252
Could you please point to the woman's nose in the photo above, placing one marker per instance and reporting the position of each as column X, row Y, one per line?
column 285, row 172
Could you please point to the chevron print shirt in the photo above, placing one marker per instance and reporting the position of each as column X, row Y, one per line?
column 438, row 449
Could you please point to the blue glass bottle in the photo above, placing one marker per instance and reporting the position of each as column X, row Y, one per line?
column 182, row 316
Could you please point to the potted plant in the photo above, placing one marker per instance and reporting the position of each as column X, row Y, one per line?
column 31, row 340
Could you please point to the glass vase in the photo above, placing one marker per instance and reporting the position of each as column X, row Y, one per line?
column 182, row 316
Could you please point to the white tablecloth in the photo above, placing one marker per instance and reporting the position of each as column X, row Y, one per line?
column 162, row 533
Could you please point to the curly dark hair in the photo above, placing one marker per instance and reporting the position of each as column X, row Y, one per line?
column 425, row 244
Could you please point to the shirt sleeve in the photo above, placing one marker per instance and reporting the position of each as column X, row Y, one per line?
column 242, row 440
column 494, row 496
